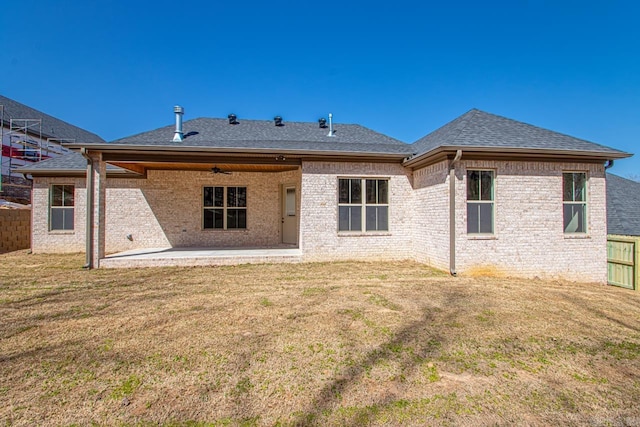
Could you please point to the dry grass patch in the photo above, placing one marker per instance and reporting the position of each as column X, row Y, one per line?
column 310, row 344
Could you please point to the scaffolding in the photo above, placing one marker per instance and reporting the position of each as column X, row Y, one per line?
column 23, row 143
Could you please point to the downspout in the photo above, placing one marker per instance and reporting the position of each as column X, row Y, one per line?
column 89, row 210
column 452, row 212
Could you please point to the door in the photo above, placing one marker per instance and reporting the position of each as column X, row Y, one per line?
column 289, row 215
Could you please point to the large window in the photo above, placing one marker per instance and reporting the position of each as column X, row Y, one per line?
column 480, row 202
column 225, row 208
column 61, row 207
column 574, row 201
column 363, row 204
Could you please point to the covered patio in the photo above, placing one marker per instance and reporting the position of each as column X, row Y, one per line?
column 189, row 257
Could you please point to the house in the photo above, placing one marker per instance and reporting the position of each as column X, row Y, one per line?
column 28, row 136
column 482, row 193
column 623, row 206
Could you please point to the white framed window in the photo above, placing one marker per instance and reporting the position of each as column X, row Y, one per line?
column 574, row 202
column 363, row 204
column 224, row 208
column 61, row 207
column 480, row 201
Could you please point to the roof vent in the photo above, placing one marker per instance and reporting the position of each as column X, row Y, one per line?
column 178, row 135
column 233, row 120
column 278, row 121
column 322, row 123
column 331, row 131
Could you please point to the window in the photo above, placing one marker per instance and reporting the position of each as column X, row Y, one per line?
column 358, row 211
column 574, row 200
column 480, row 202
column 61, row 207
column 225, row 208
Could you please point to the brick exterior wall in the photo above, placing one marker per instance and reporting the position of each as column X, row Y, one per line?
column 431, row 215
column 529, row 239
column 319, row 217
column 165, row 210
column 15, row 229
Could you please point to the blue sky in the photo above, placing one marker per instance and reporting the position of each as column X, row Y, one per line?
column 403, row 68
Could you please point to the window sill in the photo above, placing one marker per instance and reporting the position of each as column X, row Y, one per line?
column 571, row 236
column 363, row 233
column 62, row 232
column 482, row 237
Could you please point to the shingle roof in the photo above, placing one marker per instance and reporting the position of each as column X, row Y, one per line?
column 73, row 161
column 218, row 133
column 479, row 129
column 623, row 206
column 51, row 127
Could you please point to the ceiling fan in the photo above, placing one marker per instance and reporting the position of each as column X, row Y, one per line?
column 216, row 169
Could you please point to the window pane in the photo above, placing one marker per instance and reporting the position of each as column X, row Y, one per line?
column 356, row 191
column 473, row 185
column 213, row 218
column 231, row 197
column 68, row 218
column 290, row 202
column 241, row 193
column 567, row 187
column 486, row 185
column 67, row 195
column 208, row 196
column 574, row 218
column 56, row 195
column 377, row 218
column 62, row 219
column 383, row 191
column 343, row 218
column 208, row 218
column 473, row 218
column 579, row 183
column 343, row 190
column 372, row 191
column 236, row 218
column 350, row 218
column 218, row 197
column 486, row 218
column 356, row 218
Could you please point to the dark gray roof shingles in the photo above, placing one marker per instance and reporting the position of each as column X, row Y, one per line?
column 73, row 161
column 263, row 134
column 623, row 206
column 51, row 126
column 484, row 130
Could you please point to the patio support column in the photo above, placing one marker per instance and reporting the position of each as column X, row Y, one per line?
column 96, row 184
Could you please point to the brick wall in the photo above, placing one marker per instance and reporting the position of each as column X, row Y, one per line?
column 319, row 218
column 15, row 229
column 431, row 215
column 529, row 238
column 165, row 210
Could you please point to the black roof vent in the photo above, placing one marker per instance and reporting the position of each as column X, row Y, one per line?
column 233, row 120
column 323, row 123
column 278, row 121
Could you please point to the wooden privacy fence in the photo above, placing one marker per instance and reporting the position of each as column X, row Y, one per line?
column 623, row 261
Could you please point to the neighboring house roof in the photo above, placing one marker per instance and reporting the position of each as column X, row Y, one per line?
column 481, row 131
column 51, row 127
column 264, row 134
column 623, row 206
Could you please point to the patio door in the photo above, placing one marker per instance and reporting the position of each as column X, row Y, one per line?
column 289, row 215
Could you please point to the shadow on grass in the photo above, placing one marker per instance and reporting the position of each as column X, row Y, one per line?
column 329, row 398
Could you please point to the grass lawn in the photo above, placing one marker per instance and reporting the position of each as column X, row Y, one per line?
column 310, row 344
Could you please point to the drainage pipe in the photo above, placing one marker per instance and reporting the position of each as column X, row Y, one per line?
column 89, row 209
column 452, row 212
